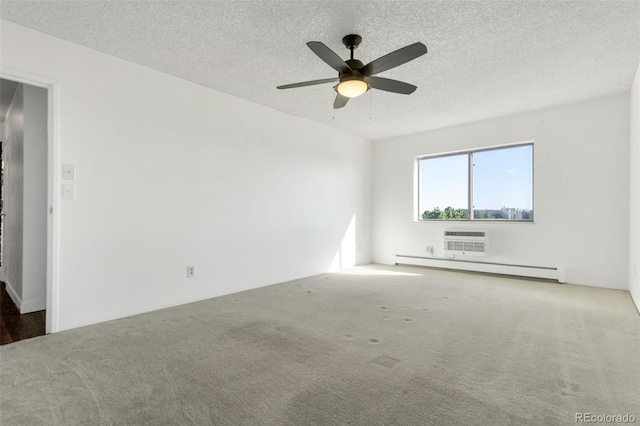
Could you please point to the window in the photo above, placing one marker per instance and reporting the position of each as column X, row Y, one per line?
column 491, row 184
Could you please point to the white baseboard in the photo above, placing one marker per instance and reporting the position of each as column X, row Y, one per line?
column 33, row 306
column 552, row 273
column 25, row 306
column 14, row 296
column 635, row 297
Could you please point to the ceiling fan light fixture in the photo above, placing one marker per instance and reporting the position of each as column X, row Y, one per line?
column 352, row 87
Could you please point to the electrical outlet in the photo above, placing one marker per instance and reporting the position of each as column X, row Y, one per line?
column 191, row 271
column 68, row 172
column 68, row 191
column 430, row 250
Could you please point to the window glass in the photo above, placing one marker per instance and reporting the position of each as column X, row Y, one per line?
column 501, row 189
column 502, row 184
column 444, row 187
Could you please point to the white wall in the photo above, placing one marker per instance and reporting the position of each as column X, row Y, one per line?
column 171, row 174
column 634, row 192
column 13, row 196
column 34, row 245
column 581, row 204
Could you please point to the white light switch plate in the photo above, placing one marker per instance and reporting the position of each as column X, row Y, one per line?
column 68, row 172
column 68, row 191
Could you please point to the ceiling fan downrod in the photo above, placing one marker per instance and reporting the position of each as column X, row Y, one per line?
column 352, row 41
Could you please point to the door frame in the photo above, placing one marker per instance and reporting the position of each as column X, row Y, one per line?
column 3, row 153
column 53, row 185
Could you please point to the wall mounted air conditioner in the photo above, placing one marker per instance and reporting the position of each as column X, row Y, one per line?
column 468, row 243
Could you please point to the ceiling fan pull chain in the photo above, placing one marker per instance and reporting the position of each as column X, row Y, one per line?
column 371, row 113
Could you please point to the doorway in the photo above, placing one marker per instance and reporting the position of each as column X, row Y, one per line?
column 23, row 218
column 27, row 240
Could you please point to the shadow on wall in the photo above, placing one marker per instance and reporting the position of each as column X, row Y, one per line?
column 346, row 255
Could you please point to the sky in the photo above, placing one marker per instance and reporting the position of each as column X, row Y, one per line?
column 501, row 178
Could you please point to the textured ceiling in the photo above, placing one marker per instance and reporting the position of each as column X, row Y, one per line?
column 486, row 58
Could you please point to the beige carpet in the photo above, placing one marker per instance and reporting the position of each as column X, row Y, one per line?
column 378, row 346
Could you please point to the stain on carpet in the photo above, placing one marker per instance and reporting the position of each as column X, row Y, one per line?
column 289, row 341
column 365, row 399
column 386, row 361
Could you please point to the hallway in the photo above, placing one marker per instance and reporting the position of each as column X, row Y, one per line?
column 13, row 326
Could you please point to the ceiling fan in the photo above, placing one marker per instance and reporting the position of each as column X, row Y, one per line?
column 354, row 77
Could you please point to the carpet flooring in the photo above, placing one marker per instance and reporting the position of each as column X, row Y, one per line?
column 372, row 346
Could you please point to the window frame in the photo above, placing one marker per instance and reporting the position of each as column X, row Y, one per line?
column 469, row 153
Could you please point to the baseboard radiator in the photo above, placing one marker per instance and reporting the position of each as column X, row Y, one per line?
column 551, row 273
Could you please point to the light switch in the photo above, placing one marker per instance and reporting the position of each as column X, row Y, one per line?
column 68, row 172
column 68, row 191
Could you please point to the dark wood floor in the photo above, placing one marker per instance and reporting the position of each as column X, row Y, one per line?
column 13, row 326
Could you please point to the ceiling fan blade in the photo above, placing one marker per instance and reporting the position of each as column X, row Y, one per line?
column 393, row 59
column 389, row 85
column 329, row 56
column 308, row 83
column 340, row 101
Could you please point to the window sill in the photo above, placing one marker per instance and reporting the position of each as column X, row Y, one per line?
column 473, row 221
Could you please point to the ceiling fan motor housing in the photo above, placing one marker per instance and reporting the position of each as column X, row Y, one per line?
column 355, row 65
column 355, row 74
